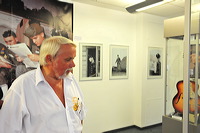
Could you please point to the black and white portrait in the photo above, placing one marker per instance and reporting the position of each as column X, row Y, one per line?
column 118, row 62
column 90, row 61
column 154, row 63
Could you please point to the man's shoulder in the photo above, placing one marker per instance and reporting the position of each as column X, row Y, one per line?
column 27, row 76
column 29, row 73
column 23, row 82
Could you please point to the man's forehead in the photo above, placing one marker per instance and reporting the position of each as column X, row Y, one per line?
column 9, row 37
column 34, row 37
column 65, row 48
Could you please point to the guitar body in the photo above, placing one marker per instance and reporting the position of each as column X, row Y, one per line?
column 178, row 98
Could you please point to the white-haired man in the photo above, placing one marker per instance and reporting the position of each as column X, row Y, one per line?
column 47, row 99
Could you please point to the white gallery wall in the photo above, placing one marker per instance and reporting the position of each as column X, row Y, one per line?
column 119, row 103
column 151, row 104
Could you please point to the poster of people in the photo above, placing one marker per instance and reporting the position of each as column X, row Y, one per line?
column 24, row 25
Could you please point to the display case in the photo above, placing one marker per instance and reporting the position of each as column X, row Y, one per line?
column 174, row 98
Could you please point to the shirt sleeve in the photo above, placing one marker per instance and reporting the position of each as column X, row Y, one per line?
column 11, row 114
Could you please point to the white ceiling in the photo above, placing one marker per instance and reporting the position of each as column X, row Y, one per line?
column 171, row 9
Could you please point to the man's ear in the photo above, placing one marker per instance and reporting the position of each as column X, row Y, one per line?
column 42, row 34
column 17, row 40
column 48, row 59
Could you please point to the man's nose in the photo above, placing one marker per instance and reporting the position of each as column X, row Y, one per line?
column 72, row 64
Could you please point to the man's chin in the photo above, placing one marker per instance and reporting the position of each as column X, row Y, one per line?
column 68, row 71
column 65, row 74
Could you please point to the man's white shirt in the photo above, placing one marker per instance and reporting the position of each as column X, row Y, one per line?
column 31, row 106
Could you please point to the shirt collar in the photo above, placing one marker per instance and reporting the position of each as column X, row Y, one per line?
column 69, row 76
column 40, row 77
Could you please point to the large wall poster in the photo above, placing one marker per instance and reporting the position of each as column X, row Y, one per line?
column 26, row 23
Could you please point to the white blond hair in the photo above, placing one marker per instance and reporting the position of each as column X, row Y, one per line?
column 50, row 46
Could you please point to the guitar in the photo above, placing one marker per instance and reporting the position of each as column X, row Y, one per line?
column 178, row 98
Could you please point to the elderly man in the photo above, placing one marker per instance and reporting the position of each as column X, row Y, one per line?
column 48, row 99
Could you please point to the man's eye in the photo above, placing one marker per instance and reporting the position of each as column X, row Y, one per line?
column 69, row 59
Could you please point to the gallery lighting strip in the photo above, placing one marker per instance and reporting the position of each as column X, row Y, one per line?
column 146, row 5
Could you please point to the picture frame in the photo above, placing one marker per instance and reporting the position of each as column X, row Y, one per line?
column 90, row 61
column 155, row 56
column 119, row 62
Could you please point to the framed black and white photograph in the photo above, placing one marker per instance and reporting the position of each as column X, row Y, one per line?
column 90, row 61
column 154, row 62
column 118, row 61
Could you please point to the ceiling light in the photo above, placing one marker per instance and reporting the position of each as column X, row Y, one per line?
column 146, row 5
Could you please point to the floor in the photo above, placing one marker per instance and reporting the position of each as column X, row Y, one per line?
column 151, row 129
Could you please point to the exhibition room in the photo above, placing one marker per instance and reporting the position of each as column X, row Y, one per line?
column 133, row 60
